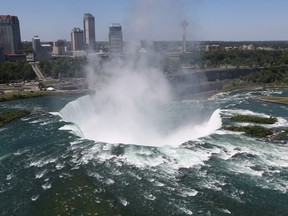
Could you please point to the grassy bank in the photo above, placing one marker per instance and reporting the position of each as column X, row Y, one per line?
column 254, row 119
column 21, row 95
column 7, row 117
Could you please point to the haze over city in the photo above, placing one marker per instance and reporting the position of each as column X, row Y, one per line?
column 154, row 20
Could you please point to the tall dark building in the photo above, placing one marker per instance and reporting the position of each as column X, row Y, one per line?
column 115, row 39
column 10, row 38
column 89, row 31
column 77, row 39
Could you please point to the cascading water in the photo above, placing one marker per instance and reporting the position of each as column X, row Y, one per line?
column 134, row 107
column 48, row 171
column 99, row 124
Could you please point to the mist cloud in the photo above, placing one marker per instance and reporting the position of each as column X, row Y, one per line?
column 155, row 20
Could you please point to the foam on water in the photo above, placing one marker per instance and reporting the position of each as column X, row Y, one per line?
column 231, row 112
column 170, row 172
column 140, row 128
column 2, row 129
column 73, row 128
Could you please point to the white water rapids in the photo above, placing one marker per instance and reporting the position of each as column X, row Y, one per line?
column 106, row 123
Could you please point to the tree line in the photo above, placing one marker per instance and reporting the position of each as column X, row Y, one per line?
column 16, row 71
column 272, row 65
column 64, row 67
column 236, row 58
column 276, row 75
column 61, row 67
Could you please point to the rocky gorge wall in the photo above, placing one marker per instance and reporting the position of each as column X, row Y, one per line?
column 190, row 82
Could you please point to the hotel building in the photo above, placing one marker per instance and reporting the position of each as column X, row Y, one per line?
column 115, row 39
column 89, row 31
column 10, row 39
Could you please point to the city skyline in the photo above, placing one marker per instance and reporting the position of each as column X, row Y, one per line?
column 150, row 20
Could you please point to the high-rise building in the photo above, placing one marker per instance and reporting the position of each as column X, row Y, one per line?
column 77, row 39
column 36, row 44
column 41, row 50
column 115, row 39
column 89, row 31
column 10, row 38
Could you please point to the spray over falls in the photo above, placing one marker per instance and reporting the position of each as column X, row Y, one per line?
column 134, row 106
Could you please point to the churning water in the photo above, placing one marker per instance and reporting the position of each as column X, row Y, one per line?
column 87, row 156
column 166, row 125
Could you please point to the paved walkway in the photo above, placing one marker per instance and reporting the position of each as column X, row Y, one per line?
column 37, row 71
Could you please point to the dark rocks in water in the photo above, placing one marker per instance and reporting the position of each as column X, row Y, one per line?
column 244, row 155
column 117, row 150
column 279, row 136
column 37, row 111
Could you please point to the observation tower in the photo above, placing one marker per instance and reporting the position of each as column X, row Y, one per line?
column 184, row 24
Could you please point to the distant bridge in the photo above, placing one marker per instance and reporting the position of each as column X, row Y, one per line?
column 37, row 71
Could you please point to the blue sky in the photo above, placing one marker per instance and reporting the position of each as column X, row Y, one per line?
column 154, row 19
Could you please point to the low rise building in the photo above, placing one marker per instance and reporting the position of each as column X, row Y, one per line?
column 59, row 47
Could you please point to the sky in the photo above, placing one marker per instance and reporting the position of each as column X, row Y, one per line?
column 225, row 20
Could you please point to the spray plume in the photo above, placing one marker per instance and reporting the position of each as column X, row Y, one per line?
column 132, row 95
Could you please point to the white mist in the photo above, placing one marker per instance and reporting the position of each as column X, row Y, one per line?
column 126, row 108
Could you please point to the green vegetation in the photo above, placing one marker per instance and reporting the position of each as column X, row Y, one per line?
column 255, row 131
column 236, row 58
column 64, row 67
column 277, row 45
column 276, row 75
column 13, row 115
column 22, row 95
column 254, row 119
column 15, row 71
column 21, row 70
column 27, row 47
column 272, row 64
column 269, row 77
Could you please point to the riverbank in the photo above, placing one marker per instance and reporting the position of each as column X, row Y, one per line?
column 228, row 86
column 12, row 115
column 274, row 99
column 26, row 94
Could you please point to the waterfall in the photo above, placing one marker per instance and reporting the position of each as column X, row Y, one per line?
column 103, row 120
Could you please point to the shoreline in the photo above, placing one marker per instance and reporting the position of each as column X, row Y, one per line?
column 32, row 94
column 201, row 95
column 273, row 99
